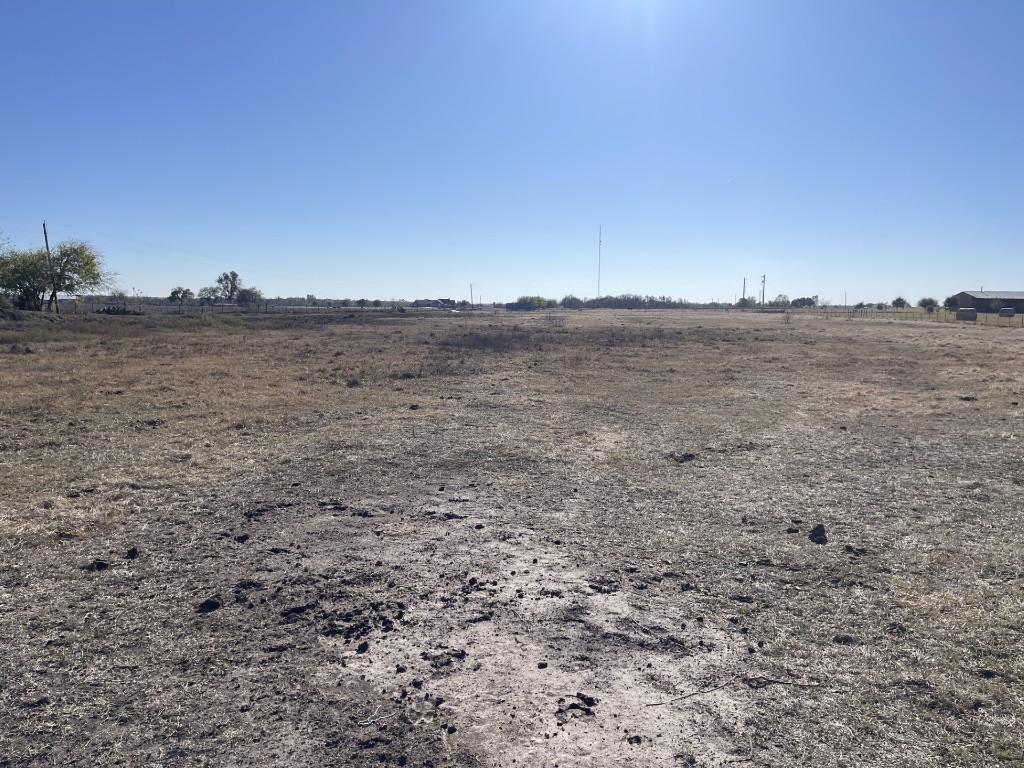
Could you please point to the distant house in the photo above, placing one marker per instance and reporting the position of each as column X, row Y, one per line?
column 990, row 301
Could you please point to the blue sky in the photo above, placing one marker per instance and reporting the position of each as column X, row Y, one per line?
column 387, row 149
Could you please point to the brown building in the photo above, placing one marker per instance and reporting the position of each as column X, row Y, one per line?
column 990, row 301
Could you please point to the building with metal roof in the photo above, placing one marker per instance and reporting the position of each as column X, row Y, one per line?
column 990, row 301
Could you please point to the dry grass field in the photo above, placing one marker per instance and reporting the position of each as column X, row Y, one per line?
column 573, row 539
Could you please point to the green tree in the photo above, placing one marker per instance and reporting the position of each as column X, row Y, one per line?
column 928, row 304
column 230, row 284
column 180, row 295
column 362, row 303
column 951, row 304
column 538, row 302
column 900, row 303
column 74, row 266
column 805, row 301
column 25, row 277
column 209, row 294
column 28, row 276
column 250, row 297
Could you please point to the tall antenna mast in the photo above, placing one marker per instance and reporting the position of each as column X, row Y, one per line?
column 599, row 261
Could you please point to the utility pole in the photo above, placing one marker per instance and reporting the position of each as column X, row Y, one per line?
column 54, row 304
column 744, row 294
column 762, row 290
column 470, row 295
column 599, row 261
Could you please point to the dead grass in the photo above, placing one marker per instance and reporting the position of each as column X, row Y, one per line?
column 676, row 460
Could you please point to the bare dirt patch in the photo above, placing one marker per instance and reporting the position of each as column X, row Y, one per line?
column 602, row 538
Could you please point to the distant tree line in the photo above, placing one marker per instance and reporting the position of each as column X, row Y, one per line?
column 228, row 288
column 636, row 301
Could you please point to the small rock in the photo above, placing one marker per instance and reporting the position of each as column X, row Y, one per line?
column 542, row 665
column 96, row 565
column 132, row 553
column 363, row 647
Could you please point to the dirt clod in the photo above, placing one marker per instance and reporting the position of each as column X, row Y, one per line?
column 209, row 605
column 682, row 457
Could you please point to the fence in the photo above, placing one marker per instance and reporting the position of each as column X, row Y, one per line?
column 132, row 306
column 909, row 313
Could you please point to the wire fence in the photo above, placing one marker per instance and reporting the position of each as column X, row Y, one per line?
column 135, row 306
column 909, row 313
